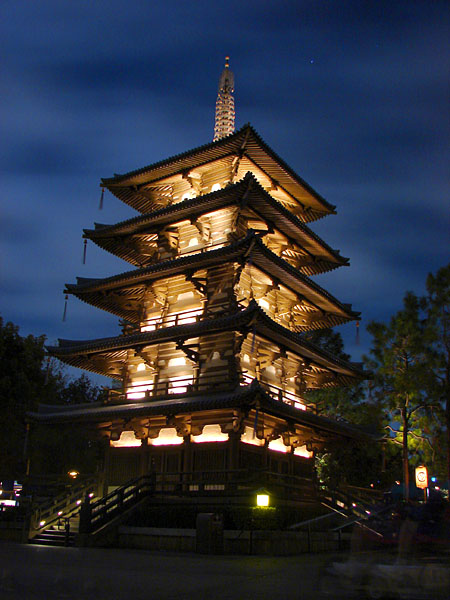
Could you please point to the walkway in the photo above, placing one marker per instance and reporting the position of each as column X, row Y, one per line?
column 36, row 572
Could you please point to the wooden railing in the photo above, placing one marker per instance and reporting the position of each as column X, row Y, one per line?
column 50, row 511
column 194, row 315
column 352, row 499
column 189, row 386
column 234, row 482
column 94, row 515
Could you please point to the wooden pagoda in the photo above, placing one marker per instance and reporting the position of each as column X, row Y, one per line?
column 211, row 366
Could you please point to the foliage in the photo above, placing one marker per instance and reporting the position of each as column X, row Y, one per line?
column 353, row 463
column 410, row 361
column 436, row 305
column 28, row 377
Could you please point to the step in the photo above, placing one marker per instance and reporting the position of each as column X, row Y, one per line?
column 51, row 540
column 53, row 537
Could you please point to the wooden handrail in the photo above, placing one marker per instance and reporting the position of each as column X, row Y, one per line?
column 50, row 511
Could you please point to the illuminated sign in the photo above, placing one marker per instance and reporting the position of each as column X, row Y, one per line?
column 421, row 477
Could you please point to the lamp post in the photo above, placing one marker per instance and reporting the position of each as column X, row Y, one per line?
column 262, row 502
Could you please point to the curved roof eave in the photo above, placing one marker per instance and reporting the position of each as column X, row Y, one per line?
column 236, row 142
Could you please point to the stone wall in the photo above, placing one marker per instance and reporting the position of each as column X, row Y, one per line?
column 277, row 543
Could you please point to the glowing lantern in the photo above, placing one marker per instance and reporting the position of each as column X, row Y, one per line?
column 262, row 499
column 421, row 477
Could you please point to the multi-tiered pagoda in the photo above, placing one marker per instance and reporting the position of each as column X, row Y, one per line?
column 212, row 366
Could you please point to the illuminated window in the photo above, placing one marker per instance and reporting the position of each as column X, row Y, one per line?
column 127, row 440
column 302, row 451
column 215, row 187
column 193, row 241
column 141, row 367
column 167, row 437
column 249, row 437
column 210, row 433
column 277, row 445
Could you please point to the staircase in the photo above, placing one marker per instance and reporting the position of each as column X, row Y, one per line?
column 61, row 533
column 70, row 521
column 55, row 521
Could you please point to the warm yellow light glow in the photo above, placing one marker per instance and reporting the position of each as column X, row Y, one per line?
column 177, row 362
column 141, row 367
column 167, row 436
column 135, row 395
column 421, row 477
column 215, row 187
column 291, row 398
column 187, row 320
column 78, row 502
column 41, row 523
column 210, row 433
column 248, row 437
column 264, row 304
column 303, row 452
column 60, row 513
column 127, row 440
column 138, row 390
column 262, row 500
column 193, row 242
column 73, row 473
column 148, row 328
column 178, row 385
column 277, row 445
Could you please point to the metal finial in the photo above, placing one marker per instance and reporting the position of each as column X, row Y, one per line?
column 225, row 116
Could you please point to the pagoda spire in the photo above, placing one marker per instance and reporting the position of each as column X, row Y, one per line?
column 224, row 123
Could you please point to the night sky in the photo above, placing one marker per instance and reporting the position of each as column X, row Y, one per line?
column 353, row 95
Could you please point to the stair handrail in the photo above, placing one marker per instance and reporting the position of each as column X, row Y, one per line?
column 49, row 511
column 345, row 499
column 95, row 515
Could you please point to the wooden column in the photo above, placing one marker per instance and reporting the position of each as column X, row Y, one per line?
column 143, row 470
column 106, row 466
column 234, row 440
column 187, row 462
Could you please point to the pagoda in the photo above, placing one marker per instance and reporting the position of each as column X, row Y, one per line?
column 212, row 365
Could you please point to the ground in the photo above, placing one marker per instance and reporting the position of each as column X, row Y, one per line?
column 37, row 572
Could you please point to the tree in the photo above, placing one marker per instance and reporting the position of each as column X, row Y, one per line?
column 343, row 463
column 28, row 377
column 399, row 359
column 437, row 310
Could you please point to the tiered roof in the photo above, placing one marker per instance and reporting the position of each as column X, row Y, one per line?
column 121, row 294
column 243, row 149
column 108, row 356
column 123, row 239
column 277, row 202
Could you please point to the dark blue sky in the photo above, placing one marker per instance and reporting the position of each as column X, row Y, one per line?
column 352, row 94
